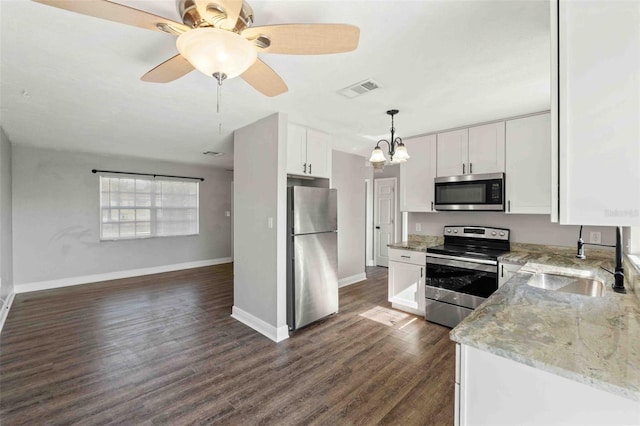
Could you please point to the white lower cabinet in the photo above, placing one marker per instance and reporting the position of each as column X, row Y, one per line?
column 406, row 280
column 506, row 271
column 494, row 390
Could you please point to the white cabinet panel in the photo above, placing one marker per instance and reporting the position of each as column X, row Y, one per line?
column 486, row 148
column 598, row 110
column 296, row 149
column 406, row 286
column 528, row 165
column 479, row 149
column 506, row 271
column 308, row 152
column 417, row 175
column 453, row 152
column 318, row 153
column 495, row 390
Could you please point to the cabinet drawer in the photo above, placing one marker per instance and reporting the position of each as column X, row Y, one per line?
column 408, row 256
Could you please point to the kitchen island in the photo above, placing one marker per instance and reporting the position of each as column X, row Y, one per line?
column 535, row 356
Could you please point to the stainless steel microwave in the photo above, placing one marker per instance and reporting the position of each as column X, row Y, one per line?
column 470, row 192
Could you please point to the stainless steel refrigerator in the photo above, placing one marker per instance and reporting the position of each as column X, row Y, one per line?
column 312, row 248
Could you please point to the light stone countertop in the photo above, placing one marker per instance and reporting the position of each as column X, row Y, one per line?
column 592, row 340
column 417, row 243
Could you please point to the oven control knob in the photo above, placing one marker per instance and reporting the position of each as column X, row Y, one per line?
column 493, row 233
column 448, row 231
column 502, row 234
column 455, row 231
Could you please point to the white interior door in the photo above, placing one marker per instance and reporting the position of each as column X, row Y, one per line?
column 384, row 218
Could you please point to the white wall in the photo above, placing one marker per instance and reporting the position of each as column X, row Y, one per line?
column 531, row 228
column 348, row 177
column 6, row 247
column 56, row 217
column 260, row 183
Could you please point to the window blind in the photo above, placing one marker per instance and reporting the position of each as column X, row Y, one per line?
column 140, row 207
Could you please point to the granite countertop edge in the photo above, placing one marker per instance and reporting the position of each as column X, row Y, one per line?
column 475, row 331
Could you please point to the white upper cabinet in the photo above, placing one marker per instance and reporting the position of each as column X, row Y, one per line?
column 308, row 152
column 452, row 152
column 296, row 149
column 596, row 103
column 318, row 153
column 528, row 166
column 417, row 175
column 486, row 148
column 475, row 150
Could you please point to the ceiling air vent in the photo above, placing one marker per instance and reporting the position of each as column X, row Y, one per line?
column 358, row 89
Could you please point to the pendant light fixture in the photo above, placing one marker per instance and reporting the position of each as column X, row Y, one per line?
column 397, row 151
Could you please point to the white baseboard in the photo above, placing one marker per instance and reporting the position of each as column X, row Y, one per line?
column 86, row 279
column 277, row 334
column 5, row 309
column 371, row 262
column 352, row 279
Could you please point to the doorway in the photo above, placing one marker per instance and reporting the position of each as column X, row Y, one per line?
column 384, row 218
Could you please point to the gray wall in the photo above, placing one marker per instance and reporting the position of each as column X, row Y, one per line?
column 531, row 228
column 348, row 175
column 6, row 247
column 260, row 182
column 56, row 222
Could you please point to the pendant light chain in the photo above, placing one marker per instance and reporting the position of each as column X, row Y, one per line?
column 220, row 77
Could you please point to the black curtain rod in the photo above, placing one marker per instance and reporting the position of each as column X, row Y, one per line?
column 147, row 174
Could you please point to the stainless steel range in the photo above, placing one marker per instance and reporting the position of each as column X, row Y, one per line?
column 462, row 272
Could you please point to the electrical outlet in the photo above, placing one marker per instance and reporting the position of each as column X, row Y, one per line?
column 418, row 227
column 595, row 237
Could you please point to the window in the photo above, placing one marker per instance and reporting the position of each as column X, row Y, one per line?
column 140, row 207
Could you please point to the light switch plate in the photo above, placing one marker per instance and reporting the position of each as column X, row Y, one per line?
column 418, row 227
column 595, row 237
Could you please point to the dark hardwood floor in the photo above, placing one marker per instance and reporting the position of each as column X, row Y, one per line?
column 163, row 349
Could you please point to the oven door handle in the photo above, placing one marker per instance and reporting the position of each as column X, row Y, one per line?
column 462, row 259
column 482, row 265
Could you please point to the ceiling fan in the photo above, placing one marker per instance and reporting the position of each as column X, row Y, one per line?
column 216, row 38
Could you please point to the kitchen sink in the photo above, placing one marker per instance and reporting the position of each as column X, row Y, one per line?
column 566, row 284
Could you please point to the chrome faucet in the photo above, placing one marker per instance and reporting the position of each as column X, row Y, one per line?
column 618, row 274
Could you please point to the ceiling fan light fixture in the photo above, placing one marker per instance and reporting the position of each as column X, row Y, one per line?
column 213, row 50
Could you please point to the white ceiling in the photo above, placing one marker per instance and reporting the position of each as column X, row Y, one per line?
column 72, row 82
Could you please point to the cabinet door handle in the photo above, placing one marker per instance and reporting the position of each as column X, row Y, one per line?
column 377, row 227
column 309, row 168
column 463, row 168
column 432, row 206
column 509, row 206
column 471, row 168
column 406, row 257
column 304, row 170
column 420, row 272
column 502, row 271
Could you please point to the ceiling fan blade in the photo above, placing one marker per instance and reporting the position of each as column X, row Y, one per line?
column 169, row 70
column 110, row 11
column 304, row 39
column 264, row 79
column 232, row 9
